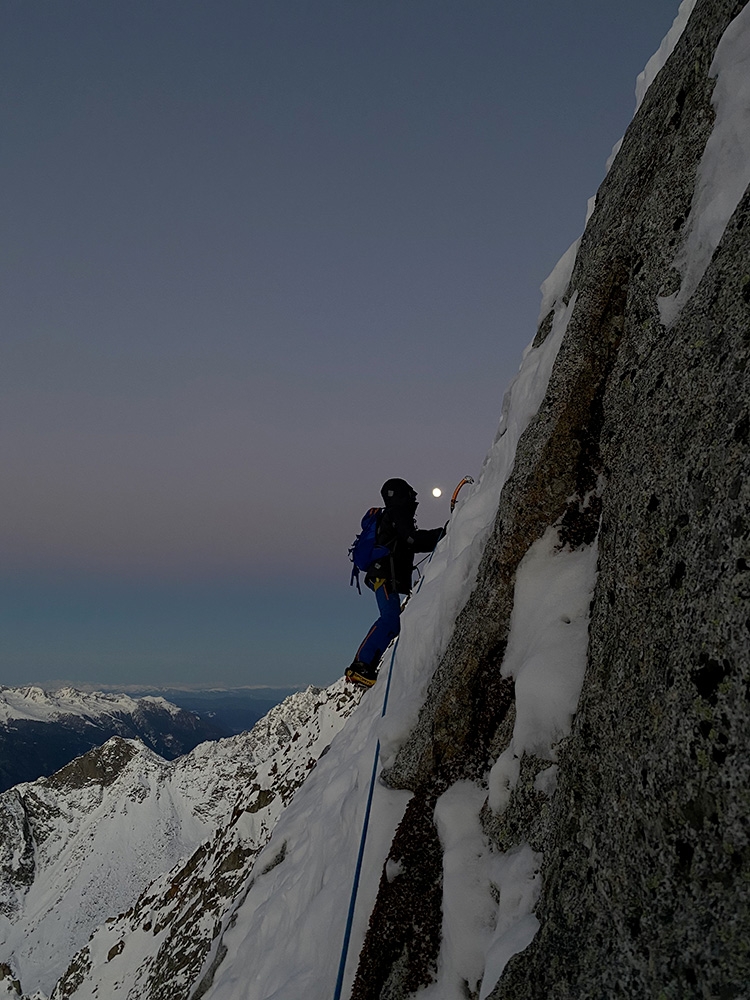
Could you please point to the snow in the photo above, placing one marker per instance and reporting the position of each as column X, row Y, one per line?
column 546, row 781
column 516, row 874
column 35, row 704
column 290, row 927
column 468, row 907
column 546, row 653
column 554, row 286
column 488, row 899
column 724, row 170
column 546, row 656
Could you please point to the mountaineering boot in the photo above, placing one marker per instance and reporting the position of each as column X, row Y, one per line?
column 361, row 673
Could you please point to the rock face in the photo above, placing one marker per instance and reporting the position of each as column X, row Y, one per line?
column 642, row 444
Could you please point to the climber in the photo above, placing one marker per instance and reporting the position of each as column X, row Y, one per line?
column 390, row 575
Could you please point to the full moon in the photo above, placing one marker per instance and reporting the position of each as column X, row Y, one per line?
column 437, row 492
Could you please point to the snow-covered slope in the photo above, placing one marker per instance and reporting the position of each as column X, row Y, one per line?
column 81, row 846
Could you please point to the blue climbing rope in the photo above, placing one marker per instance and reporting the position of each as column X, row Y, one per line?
column 365, row 825
column 362, row 842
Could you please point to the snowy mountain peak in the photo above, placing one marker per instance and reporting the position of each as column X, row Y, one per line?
column 101, row 766
column 35, row 703
column 41, row 731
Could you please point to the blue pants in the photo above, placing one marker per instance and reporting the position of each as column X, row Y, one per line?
column 385, row 628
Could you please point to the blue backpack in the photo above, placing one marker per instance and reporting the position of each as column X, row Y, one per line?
column 364, row 550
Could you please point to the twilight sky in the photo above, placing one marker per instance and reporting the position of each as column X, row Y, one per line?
column 259, row 256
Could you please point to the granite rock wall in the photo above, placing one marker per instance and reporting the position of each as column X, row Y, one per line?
column 641, row 442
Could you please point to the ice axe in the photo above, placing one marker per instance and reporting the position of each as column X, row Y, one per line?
column 464, row 481
column 454, row 498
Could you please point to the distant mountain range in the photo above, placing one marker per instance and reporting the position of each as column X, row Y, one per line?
column 84, row 845
column 42, row 731
column 233, row 710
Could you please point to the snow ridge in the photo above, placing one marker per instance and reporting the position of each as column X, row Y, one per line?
column 35, row 704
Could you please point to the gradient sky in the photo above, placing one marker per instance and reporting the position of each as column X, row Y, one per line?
column 257, row 258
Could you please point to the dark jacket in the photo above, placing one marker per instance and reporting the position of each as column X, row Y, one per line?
column 398, row 531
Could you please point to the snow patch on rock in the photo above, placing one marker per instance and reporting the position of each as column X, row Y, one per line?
column 724, row 170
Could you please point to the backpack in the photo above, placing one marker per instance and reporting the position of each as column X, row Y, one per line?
column 364, row 550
